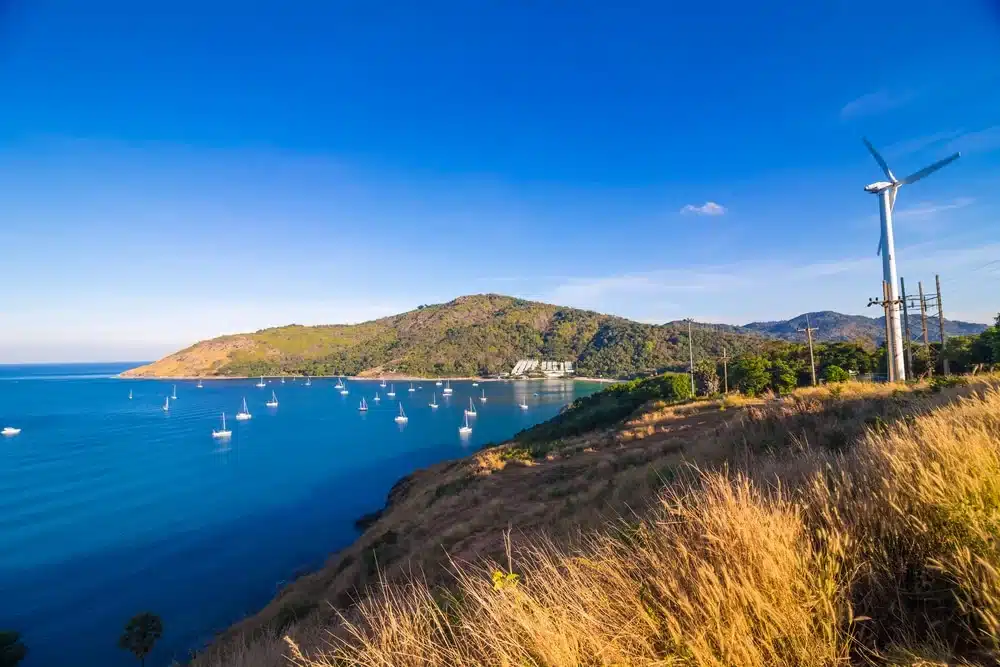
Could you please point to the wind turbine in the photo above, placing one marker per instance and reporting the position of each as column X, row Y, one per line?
column 886, row 192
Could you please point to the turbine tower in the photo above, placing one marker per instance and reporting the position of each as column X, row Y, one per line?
column 886, row 192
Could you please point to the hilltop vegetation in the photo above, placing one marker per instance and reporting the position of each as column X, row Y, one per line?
column 474, row 335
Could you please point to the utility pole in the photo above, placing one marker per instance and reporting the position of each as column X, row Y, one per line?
column 923, row 314
column 888, row 332
column 725, row 369
column 812, row 361
column 906, row 330
column 691, row 356
column 944, row 356
column 887, row 302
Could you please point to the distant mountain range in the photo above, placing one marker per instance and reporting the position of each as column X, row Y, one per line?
column 485, row 334
column 831, row 327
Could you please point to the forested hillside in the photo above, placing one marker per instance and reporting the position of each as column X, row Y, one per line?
column 472, row 335
column 831, row 326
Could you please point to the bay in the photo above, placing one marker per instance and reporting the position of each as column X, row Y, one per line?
column 110, row 506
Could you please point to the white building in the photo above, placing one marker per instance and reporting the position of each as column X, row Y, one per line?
column 552, row 369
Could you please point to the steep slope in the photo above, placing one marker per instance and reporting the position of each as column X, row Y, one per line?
column 460, row 512
column 834, row 327
column 472, row 335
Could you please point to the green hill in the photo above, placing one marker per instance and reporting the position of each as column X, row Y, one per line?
column 472, row 335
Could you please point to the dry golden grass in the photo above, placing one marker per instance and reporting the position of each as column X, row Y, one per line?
column 857, row 526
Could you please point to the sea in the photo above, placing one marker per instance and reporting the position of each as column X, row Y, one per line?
column 111, row 506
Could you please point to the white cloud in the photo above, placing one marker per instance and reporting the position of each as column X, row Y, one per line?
column 928, row 209
column 708, row 208
column 981, row 141
column 917, row 144
column 778, row 289
column 874, row 103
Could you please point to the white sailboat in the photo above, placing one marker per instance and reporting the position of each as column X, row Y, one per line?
column 343, row 389
column 340, row 384
column 243, row 414
column 392, row 392
column 9, row 431
column 130, row 394
column 383, row 383
column 273, row 403
column 482, row 399
column 223, row 432
column 282, row 379
column 523, row 404
column 475, row 384
column 199, row 385
column 166, row 405
column 308, row 381
column 465, row 429
column 411, row 388
column 433, row 402
column 363, row 407
column 377, row 399
column 173, row 397
column 447, row 388
column 401, row 418
column 438, row 383
column 261, row 384
column 471, row 410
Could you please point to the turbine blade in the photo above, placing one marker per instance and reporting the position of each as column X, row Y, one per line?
column 892, row 199
column 917, row 175
column 878, row 158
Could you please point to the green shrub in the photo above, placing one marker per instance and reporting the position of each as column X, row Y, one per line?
column 939, row 382
column 12, row 650
column 608, row 407
column 835, row 373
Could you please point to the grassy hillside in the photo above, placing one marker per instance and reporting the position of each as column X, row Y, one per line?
column 473, row 335
column 851, row 525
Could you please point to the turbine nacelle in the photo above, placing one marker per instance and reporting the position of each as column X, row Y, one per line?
column 878, row 187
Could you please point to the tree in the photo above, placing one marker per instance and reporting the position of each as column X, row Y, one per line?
column 140, row 635
column 961, row 352
column 751, row 374
column 783, row 378
column 706, row 377
column 834, row 373
column 849, row 356
column 12, row 650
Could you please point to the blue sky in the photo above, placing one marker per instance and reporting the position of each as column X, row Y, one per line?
column 176, row 172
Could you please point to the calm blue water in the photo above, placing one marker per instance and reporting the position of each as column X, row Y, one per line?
column 109, row 507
